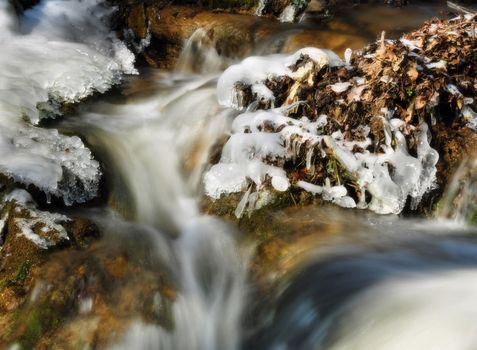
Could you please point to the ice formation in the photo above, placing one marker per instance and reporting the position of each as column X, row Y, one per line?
column 58, row 165
column 262, row 141
column 57, row 51
column 43, row 228
column 255, row 70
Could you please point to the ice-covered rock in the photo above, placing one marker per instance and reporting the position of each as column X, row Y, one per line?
column 42, row 228
column 58, row 51
column 56, row 164
column 380, row 177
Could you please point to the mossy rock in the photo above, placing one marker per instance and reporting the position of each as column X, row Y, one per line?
column 102, row 285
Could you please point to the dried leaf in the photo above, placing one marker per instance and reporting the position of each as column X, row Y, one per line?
column 420, row 102
column 355, row 93
column 397, row 64
column 412, row 72
column 410, row 113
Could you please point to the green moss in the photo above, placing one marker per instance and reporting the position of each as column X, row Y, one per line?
column 472, row 220
column 261, row 224
column 37, row 322
column 34, row 330
column 20, row 277
column 23, row 272
column 166, row 316
column 33, row 321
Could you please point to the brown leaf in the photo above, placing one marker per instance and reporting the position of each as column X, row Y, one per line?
column 397, row 64
column 412, row 72
column 409, row 113
column 367, row 96
column 420, row 102
column 454, row 62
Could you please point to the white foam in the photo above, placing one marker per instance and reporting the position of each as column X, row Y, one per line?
column 422, row 311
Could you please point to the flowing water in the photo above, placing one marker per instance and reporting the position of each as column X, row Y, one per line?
column 377, row 283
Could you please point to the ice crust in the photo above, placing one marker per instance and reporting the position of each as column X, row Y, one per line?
column 263, row 140
column 255, row 70
column 58, row 165
column 59, row 51
column 52, row 230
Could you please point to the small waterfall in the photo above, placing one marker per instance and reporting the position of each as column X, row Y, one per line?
column 460, row 199
column 208, row 311
column 200, row 55
column 260, row 7
column 288, row 14
column 159, row 145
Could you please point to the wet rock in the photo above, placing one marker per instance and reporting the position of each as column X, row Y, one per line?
column 80, row 295
column 63, row 285
column 159, row 33
column 29, row 235
column 82, row 231
column 334, row 40
column 283, row 241
column 163, row 31
column 38, row 292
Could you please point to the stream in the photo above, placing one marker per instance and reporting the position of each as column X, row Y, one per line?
column 363, row 281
